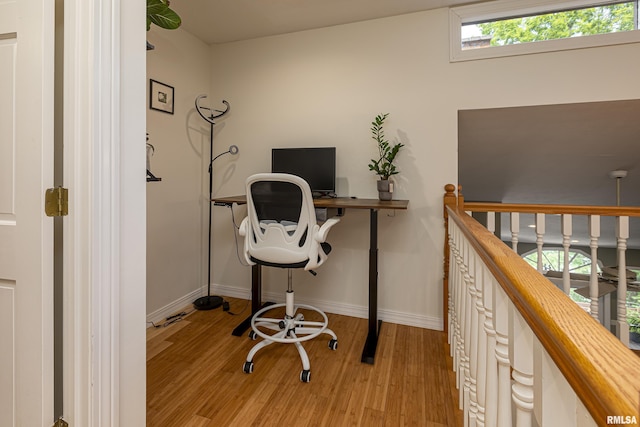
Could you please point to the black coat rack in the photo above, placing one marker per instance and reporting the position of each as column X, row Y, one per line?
column 150, row 177
column 209, row 301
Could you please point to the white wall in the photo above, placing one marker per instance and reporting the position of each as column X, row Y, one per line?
column 176, row 206
column 323, row 87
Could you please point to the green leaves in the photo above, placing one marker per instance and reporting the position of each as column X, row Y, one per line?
column 633, row 319
column 159, row 13
column 564, row 24
column 384, row 166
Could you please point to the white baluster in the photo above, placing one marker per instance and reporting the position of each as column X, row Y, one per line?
column 491, row 222
column 466, row 389
column 459, row 331
column 515, row 230
column 491, row 401
column 458, row 290
column 555, row 400
column 583, row 417
column 474, row 316
column 622, row 233
column 462, row 321
column 522, row 389
column 451, row 273
column 540, row 230
column 566, row 243
column 481, row 353
column 501, row 326
column 455, row 338
column 594, row 232
column 457, row 284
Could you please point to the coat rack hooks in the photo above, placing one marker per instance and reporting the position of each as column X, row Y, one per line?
column 213, row 113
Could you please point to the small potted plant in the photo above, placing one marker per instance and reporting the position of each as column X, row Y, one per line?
column 383, row 166
column 633, row 319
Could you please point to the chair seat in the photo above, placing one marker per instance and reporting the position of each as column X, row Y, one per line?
column 326, row 248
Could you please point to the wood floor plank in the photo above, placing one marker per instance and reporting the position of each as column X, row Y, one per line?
column 378, row 387
column 197, row 421
column 195, row 378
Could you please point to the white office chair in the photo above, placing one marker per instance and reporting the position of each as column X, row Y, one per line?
column 280, row 230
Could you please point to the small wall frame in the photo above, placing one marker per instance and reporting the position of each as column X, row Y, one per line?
column 160, row 96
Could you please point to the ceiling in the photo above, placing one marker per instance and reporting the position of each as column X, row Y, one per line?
column 553, row 154
column 221, row 21
column 558, row 154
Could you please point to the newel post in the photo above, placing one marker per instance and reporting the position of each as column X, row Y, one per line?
column 450, row 200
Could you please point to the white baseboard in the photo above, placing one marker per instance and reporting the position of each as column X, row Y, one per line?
column 362, row 312
column 231, row 291
column 352, row 310
column 162, row 313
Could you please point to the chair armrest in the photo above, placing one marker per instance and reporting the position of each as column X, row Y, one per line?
column 242, row 230
column 321, row 236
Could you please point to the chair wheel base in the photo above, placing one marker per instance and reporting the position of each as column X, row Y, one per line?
column 305, row 375
column 248, row 367
column 333, row 344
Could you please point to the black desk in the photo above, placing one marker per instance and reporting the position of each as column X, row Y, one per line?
column 340, row 203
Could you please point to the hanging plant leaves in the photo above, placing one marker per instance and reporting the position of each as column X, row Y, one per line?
column 159, row 13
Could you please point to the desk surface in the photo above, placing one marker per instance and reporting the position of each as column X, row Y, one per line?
column 334, row 202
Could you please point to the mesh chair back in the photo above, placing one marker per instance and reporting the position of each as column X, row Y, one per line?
column 281, row 220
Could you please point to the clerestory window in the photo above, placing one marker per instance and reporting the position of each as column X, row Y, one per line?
column 513, row 27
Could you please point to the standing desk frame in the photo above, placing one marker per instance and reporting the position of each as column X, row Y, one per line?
column 339, row 203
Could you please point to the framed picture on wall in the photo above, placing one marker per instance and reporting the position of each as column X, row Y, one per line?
column 161, row 97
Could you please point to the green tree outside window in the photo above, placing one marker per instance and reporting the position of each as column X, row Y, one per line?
column 565, row 24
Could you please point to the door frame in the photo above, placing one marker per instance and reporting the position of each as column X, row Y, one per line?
column 105, row 233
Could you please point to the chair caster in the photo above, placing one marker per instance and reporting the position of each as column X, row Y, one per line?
column 253, row 336
column 305, row 375
column 248, row 367
column 333, row 344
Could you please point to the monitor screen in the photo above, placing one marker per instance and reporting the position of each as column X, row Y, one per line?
column 316, row 165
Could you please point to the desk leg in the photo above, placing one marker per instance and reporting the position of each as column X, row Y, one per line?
column 369, row 352
column 256, row 300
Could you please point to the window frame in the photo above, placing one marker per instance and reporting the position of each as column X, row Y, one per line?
column 502, row 9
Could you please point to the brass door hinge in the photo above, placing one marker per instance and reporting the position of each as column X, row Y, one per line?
column 61, row 423
column 56, row 201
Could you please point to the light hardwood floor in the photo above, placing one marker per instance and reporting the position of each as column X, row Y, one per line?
column 195, row 378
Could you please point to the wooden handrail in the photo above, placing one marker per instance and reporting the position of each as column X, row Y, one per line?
column 600, row 369
column 552, row 209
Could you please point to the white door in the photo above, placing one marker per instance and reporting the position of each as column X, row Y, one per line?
column 26, row 234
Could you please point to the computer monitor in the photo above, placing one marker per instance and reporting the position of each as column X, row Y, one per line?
column 315, row 165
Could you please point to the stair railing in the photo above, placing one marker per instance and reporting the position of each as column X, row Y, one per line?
column 524, row 354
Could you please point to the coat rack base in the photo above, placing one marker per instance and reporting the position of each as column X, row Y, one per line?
column 208, row 302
